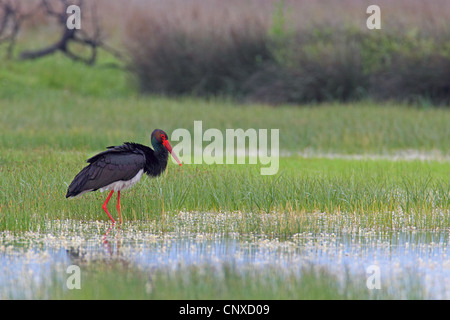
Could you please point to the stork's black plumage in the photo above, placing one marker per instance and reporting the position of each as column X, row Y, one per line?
column 120, row 167
column 118, row 163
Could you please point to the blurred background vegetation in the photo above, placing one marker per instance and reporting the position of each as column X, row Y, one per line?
column 265, row 51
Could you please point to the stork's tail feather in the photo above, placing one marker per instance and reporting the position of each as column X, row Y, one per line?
column 71, row 194
column 77, row 186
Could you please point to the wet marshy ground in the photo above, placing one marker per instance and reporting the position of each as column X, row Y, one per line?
column 29, row 259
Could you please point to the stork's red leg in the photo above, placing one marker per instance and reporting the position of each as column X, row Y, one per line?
column 105, row 206
column 118, row 207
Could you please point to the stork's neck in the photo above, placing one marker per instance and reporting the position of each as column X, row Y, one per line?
column 157, row 164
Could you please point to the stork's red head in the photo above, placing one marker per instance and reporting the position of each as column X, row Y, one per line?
column 159, row 137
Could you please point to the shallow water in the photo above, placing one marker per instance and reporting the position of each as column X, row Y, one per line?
column 28, row 259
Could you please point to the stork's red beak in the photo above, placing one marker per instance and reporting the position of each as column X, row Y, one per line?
column 169, row 148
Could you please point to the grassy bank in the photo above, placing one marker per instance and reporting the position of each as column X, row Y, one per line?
column 64, row 105
column 64, row 121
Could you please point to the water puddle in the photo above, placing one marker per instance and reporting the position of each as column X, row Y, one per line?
column 28, row 259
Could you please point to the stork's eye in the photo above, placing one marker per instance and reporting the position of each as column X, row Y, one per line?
column 163, row 137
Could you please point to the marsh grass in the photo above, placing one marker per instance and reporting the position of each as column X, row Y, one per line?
column 306, row 195
column 81, row 122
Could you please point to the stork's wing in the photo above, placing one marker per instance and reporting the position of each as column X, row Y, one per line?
column 114, row 164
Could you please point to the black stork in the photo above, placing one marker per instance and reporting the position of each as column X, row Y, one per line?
column 120, row 167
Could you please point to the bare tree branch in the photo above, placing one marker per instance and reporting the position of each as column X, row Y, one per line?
column 92, row 41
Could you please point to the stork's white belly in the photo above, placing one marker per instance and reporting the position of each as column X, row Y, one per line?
column 122, row 185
